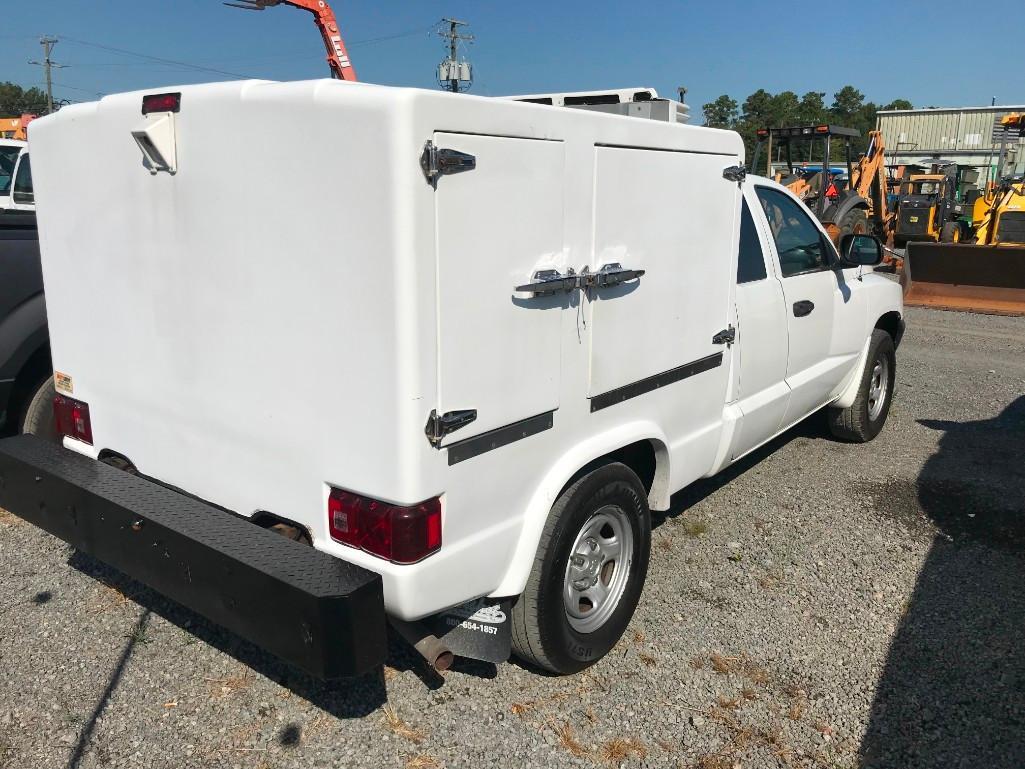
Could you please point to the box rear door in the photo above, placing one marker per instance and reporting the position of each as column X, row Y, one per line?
column 498, row 353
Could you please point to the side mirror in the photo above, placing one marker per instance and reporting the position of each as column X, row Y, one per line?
column 860, row 251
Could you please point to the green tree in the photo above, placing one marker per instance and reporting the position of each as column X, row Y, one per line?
column 721, row 113
column 812, row 108
column 847, row 102
column 15, row 100
column 899, row 104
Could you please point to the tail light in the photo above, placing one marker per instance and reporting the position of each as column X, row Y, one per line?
column 73, row 419
column 397, row 533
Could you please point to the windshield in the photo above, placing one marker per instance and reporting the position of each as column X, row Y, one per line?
column 8, row 159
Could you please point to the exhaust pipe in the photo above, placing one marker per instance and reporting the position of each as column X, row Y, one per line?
column 427, row 645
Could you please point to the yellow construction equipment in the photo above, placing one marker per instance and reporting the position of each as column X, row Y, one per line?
column 986, row 274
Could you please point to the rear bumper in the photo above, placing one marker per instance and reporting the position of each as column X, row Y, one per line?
column 310, row 609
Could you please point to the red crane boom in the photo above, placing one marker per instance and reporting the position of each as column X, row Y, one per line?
column 324, row 17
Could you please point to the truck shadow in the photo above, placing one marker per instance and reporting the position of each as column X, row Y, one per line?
column 342, row 698
column 952, row 691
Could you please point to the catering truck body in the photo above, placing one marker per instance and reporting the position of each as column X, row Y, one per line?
column 462, row 346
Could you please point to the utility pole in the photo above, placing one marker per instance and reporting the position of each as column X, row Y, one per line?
column 47, row 64
column 454, row 74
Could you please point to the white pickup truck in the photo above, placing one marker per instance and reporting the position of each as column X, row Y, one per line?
column 460, row 345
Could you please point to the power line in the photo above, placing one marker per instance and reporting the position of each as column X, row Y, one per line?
column 454, row 74
column 159, row 59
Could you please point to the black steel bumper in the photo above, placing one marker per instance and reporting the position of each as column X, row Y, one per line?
column 310, row 609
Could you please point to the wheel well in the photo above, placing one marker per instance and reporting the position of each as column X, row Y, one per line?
column 891, row 323
column 36, row 368
column 643, row 457
column 265, row 520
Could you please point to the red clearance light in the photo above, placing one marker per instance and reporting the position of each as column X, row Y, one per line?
column 73, row 419
column 161, row 102
column 762, row 132
column 400, row 534
column 821, row 129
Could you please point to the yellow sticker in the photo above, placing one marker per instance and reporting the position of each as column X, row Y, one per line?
column 63, row 382
column 912, row 218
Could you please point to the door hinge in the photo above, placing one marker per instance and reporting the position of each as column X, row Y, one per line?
column 727, row 336
column 734, row 174
column 438, row 426
column 436, row 162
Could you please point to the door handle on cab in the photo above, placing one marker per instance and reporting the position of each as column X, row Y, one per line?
column 802, row 308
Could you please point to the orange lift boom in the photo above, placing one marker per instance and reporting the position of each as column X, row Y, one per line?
column 337, row 56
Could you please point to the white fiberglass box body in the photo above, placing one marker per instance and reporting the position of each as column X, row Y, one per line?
column 284, row 312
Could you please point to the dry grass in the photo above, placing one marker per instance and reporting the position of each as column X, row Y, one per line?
column 520, row 708
column 223, row 687
column 639, row 637
column 422, row 761
column 665, row 544
column 666, row 745
column 824, row 729
column 741, row 665
column 648, row 659
column 567, row 736
column 107, row 597
column 748, row 693
column 617, row 750
column 728, row 703
column 714, row 761
column 394, row 723
column 697, row 662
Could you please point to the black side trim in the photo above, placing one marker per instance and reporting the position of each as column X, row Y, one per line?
column 626, row 392
column 499, row 437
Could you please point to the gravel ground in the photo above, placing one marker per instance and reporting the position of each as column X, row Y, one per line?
column 820, row 605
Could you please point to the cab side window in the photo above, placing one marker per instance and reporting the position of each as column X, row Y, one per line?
column 799, row 243
column 23, row 182
column 751, row 264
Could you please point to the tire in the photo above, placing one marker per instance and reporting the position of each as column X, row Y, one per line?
column 294, row 533
column 39, row 418
column 951, row 233
column 543, row 631
column 854, row 221
column 864, row 419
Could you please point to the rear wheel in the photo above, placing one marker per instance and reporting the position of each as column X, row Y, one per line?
column 854, row 222
column 39, row 418
column 588, row 573
column 864, row 419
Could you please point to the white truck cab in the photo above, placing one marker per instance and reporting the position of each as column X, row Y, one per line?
column 16, row 192
column 466, row 354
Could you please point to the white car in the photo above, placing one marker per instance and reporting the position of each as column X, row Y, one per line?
column 464, row 353
column 16, row 192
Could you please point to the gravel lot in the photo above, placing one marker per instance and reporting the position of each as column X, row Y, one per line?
column 820, row 605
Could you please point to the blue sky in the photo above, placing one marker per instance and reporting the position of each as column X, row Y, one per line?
column 527, row 47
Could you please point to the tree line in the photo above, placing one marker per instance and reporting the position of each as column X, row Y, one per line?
column 15, row 100
column 765, row 110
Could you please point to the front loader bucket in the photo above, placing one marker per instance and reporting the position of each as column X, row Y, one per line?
column 969, row 278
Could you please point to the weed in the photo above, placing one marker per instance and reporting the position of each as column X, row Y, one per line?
column 617, row 750
column 695, row 528
column 422, row 761
column 395, row 724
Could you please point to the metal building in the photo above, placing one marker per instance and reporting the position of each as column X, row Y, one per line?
column 969, row 136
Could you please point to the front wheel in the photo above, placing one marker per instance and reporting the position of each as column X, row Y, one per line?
column 864, row 419
column 588, row 573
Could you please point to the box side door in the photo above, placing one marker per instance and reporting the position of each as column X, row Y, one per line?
column 673, row 215
column 498, row 352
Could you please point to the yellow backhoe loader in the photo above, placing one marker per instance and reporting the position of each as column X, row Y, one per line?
column 987, row 272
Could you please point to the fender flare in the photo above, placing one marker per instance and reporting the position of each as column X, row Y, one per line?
column 560, row 473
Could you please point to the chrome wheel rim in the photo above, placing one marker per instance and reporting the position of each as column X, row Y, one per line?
column 877, row 387
column 598, row 569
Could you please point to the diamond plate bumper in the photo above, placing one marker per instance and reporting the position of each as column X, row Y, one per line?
column 312, row 610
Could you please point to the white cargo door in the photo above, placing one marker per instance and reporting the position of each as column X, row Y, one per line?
column 673, row 215
column 499, row 351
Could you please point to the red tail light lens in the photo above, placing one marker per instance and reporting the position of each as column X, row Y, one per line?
column 73, row 419
column 396, row 533
column 161, row 102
